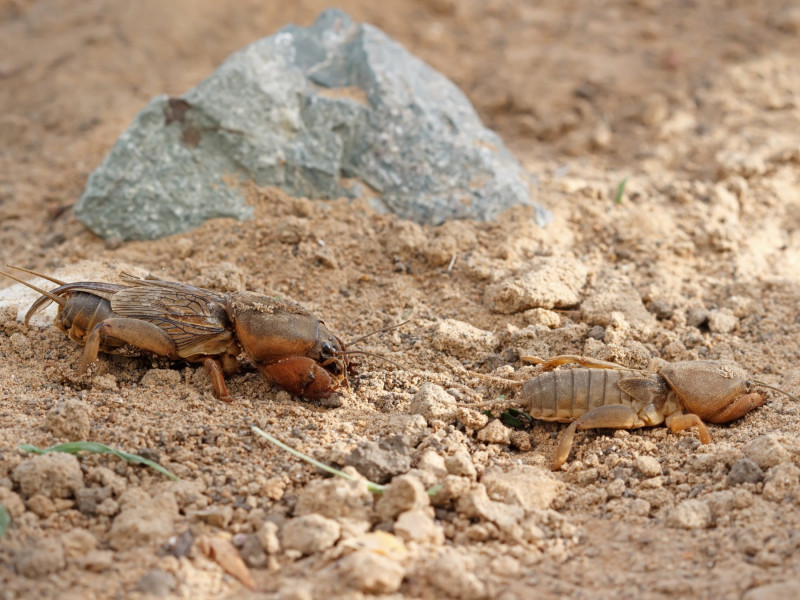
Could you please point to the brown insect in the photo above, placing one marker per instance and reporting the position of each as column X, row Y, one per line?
column 290, row 347
column 602, row 394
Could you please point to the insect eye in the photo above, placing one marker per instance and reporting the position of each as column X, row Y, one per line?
column 748, row 384
column 327, row 350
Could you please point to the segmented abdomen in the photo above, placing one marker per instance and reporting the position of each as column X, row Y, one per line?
column 565, row 395
column 81, row 313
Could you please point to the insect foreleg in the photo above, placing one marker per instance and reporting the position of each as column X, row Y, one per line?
column 678, row 422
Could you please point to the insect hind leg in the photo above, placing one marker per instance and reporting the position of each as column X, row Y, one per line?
column 134, row 332
column 567, row 359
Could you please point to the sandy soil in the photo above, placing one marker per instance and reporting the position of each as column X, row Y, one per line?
column 694, row 105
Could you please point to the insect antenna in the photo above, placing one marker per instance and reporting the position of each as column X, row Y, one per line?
column 57, row 299
column 372, row 354
column 24, row 270
column 772, row 387
column 383, row 330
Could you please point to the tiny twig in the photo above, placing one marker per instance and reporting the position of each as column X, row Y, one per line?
column 5, row 519
column 375, row 488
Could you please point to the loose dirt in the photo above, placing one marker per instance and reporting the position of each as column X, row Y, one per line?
column 691, row 108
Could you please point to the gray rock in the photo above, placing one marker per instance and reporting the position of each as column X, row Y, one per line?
column 745, row 470
column 156, row 583
column 302, row 110
column 380, row 461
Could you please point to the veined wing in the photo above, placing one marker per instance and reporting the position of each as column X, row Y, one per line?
column 194, row 318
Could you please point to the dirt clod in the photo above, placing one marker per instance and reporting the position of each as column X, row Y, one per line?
column 42, row 558
column 69, row 420
column 522, row 485
column 55, row 475
column 766, row 451
column 371, row 573
column 432, row 402
column 690, row 514
column 418, row 526
column 157, row 583
column 495, row 433
column 404, row 493
column 309, row 534
column 144, row 523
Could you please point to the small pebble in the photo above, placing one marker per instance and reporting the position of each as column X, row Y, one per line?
column 216, row 516
column 418, row 526
column 21, row 345
column 648, row 466
column 521, row 440
column 78, row 542
column 616, row 488
column 471, row 419
column 766, row 451
column 495, row 433
column 460, row 463
column 371, row 573
column 696, row 317
column 782, row 481
column 597, row 332
column 41, row 505
column 432, row 462
column 404, row 493
column 335, row 498
column 745, row 470
column 309, row 534
column 268, row 537
column 252, row 551
column 660, row 309
column 156, row 583
column 722, row 321
column 141, row 524
column 690, row 514
column 41, row 558
column 96, row 561
column 69, row 420
column 462, row 339
column 433, row 403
